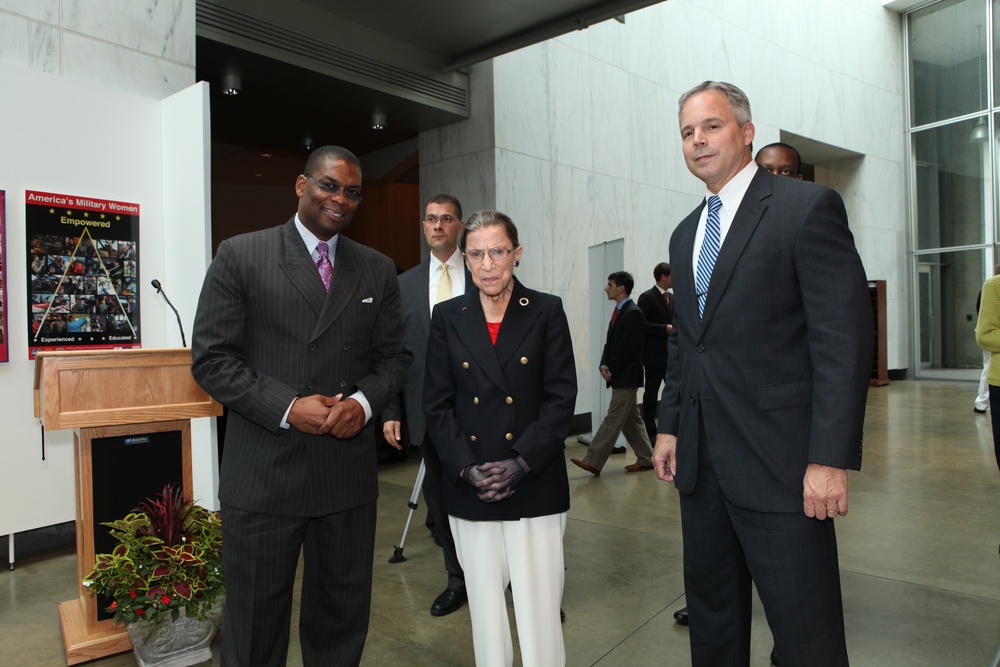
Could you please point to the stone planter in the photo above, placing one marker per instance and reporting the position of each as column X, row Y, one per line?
column 179, row 643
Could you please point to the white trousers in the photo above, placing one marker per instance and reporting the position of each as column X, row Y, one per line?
column 983, row 398
column 527, row 554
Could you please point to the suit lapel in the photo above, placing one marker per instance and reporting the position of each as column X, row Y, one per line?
column 744, row 224
column 684, row 283
column 470, row 323
column 299, row 268
column 343, row 285
column 517, row 322
column 425, row 297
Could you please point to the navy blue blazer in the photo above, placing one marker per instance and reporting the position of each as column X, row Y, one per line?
column 658, row 316
column 623, row 348
column 778, row 368
column 486, row 402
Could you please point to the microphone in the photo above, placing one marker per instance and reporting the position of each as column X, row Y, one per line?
column 159, row 290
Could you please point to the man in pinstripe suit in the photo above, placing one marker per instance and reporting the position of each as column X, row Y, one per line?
column 299, row 332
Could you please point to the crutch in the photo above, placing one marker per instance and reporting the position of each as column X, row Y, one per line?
column 397, row 554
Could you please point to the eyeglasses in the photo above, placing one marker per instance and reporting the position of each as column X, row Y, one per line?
column 352, row 195
column 444, row 219
column 496, row 254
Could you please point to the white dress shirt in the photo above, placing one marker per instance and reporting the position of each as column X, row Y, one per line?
column 731, row 195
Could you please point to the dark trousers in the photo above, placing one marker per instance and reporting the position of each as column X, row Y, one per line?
column 261, row 554
column 995, row 420
column 433, row 496
column 650, row 395
column 791, row 558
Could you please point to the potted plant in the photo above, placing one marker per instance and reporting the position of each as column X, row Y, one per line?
column 165, row 578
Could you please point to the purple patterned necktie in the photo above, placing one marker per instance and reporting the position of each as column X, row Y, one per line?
column 323, row 264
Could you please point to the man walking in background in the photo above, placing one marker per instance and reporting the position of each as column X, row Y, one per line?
column 621, row 368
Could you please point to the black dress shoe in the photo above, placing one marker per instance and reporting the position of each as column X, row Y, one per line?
column 617, row 450
column 774, row 656
column 681, row 616
column 448, row 602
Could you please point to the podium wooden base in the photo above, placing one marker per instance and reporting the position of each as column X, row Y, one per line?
column 83, row 645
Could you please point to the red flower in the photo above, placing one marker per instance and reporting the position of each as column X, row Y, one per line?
column 132, row 594
column 114, row 604
column 165, row 599
column 140, row 612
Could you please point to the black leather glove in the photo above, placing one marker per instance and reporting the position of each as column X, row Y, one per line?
column 500, row 478
column 473, row 476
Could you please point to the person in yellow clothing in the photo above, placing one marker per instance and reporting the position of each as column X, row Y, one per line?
column 988, row 338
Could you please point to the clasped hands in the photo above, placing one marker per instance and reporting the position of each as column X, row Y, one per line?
column 495, row 480
column 327, row 415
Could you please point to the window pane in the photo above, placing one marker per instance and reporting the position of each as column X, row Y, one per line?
column 950, row 185
column 949, row 284
column 947, row 60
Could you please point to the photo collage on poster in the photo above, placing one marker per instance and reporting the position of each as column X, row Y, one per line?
column 83, row 282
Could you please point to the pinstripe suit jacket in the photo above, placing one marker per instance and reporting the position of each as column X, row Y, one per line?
column 778, row 366
column 413, row 286
column 265, row 332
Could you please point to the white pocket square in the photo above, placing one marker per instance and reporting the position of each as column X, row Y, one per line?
column 368, row 300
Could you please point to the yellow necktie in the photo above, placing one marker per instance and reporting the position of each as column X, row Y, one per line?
column 444, row 285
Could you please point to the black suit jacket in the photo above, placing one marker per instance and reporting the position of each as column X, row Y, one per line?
column 486, row 402
column 413, row 288
column 779, row 365
column 266, row 331
column 658, row 316
column 623, row 348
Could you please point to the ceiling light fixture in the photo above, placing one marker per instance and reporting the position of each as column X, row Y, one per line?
column 378, row 121
column 231, row 84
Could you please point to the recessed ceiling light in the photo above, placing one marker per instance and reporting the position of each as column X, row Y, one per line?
column 231, row 84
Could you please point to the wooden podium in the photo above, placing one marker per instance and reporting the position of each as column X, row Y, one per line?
column 131, row 411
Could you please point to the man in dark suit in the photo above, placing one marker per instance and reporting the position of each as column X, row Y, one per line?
column 440, row 278
column 621, row 368
column 657, row 306
column 764, row 403
column 299, row 333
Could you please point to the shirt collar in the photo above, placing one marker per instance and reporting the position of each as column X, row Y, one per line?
column 732, row 192
column 454, row 262
column 311, row 240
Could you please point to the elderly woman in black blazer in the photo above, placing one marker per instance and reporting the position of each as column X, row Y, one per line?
column 499, row 394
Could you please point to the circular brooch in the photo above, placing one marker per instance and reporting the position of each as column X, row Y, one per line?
column 523, row 301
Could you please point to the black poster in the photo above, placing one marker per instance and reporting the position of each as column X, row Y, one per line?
column 83, row 273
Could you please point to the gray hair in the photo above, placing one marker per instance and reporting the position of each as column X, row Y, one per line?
column 738, row 101
column 486, row 218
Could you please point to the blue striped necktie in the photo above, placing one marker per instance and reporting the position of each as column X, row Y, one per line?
column 709, row 252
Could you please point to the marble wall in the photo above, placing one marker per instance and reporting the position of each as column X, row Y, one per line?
column 585, row 146
column 146, row 47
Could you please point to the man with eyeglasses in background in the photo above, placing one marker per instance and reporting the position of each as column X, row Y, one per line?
column 440, row 277
column 299, row 332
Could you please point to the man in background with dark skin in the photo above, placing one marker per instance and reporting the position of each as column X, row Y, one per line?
column 299, row 333
column 780, row 159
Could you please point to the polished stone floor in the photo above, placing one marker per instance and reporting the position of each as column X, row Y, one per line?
column 918, row 551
